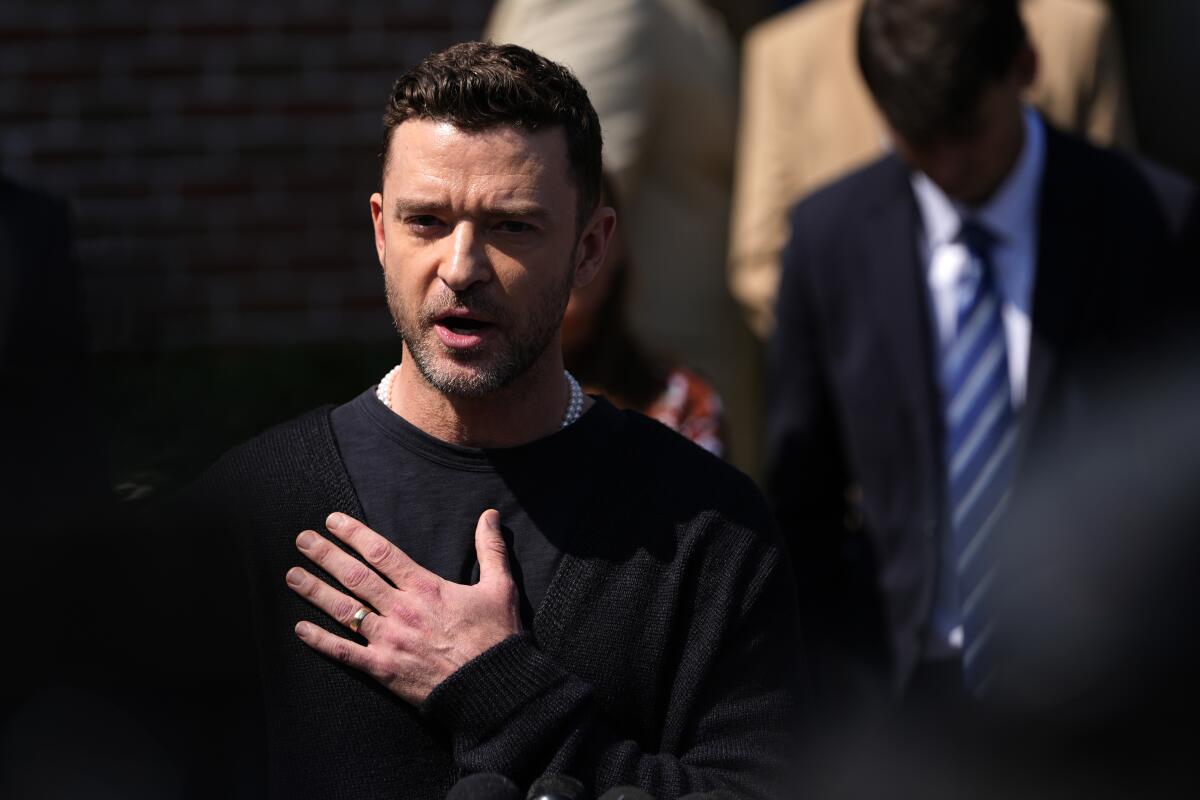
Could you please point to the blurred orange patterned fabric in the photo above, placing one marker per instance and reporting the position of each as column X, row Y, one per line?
column 692, row 406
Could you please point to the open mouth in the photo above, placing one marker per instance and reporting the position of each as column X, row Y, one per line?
column 458, row 329
column 463, row 325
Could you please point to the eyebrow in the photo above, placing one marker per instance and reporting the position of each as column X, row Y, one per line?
column 406, row 205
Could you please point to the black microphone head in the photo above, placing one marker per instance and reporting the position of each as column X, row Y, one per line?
column 715, row 794
column 626, row 793
column 556, row 787
column 484, row 786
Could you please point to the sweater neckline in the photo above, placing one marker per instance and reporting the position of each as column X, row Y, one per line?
column 571, row 580
column 556, row 446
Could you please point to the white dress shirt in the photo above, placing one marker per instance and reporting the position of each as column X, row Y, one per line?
column 1011, row 215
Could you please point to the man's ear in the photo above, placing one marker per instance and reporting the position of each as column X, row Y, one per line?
column 593, row 245
column 377, row 223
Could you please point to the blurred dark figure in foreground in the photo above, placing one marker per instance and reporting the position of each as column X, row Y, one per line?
column 67, row 728
column 52, row 474
column 603, row 352
column 51, row 459
column 945, row 313
column 1097, row 614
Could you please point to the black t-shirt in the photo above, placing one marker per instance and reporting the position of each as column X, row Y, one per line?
column 426, row 495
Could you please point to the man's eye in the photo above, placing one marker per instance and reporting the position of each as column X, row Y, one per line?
column 423, row 221
column 514, row 226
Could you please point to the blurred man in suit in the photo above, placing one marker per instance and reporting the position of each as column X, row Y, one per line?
column 943, row 312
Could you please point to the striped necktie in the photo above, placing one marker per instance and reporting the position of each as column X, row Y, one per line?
column 981, row 432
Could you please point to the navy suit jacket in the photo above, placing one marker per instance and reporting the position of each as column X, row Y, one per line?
column 854, row 431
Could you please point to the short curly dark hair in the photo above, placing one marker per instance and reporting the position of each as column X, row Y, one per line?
column 479, row 85
column 927, row 63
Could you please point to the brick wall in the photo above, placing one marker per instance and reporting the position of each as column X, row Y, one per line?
column 218, row 156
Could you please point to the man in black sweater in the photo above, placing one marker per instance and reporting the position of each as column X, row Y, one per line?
column 623, row 612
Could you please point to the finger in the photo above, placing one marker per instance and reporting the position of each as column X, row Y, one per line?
column 381, row 554
column 342, row 607
column 356, row 576
column 337, row 648
column 490, row 548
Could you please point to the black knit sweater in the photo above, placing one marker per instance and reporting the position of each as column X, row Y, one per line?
column 661, row 656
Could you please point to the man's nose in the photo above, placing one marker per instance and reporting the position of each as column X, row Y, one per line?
column 465, row 263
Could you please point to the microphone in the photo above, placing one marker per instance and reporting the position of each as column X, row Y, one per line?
column 556, row 787
column 484, row 786
column 626, row 793
column 715, row 794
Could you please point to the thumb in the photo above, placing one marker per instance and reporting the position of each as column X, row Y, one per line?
column 490, row 548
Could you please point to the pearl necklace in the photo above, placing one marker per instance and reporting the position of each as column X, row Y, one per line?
column 574, row 405
column 384, row 390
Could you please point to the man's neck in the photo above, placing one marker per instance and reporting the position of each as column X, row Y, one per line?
column 529, row 408
column 1016, row 147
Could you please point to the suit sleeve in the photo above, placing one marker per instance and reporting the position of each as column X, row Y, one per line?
column 516, row 711
column 810, row 488
column 804, row 473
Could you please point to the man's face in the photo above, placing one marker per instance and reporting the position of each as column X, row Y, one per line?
column 971, row 165
column 476, row 233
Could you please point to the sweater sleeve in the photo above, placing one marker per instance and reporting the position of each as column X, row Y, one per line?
column 516, row 711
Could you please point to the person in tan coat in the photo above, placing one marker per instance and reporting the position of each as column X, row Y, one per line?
column 807, row 117
column 662, row 75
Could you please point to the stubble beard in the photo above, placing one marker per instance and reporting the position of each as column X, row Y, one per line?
column 496, row 364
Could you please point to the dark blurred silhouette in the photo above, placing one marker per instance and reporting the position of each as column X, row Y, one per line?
column 1097, row 612
column 97, row 700
column 53, row 482
column 51, row 458
column 894, row 433
column 1101, row 555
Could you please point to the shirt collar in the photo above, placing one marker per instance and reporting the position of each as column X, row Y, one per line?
column 1010, row 214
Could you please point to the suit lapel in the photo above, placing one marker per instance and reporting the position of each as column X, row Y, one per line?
column 900, row 306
